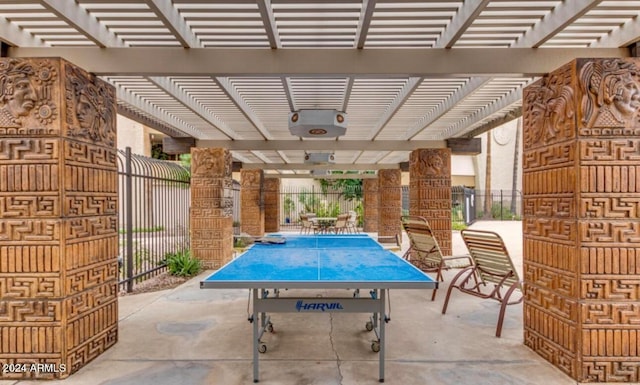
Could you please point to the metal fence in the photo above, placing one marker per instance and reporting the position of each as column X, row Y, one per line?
column 328, row 203
column 492, row 205
column 153, row 215
column 469, row 205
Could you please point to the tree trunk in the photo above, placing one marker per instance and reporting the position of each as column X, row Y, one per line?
column 487, row 180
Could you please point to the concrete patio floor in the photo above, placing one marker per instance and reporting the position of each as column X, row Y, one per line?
column 190, row 336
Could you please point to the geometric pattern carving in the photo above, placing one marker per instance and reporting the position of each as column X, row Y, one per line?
column 563, row 358
column 552, row 303
column 559, row 206
column 370, row 187
column 38, row 205
column 27, row 286
column 211, row 235
column 602, row 315
column 623, row 371
column 58, row 215
column 389, row 203
column 542, row 322
column 581, row 183
column 430, row 191
column 272, row 204
column 252, row 202
column 610, row 289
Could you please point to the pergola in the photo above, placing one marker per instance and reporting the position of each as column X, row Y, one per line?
column 415, row 78
column 410, row 74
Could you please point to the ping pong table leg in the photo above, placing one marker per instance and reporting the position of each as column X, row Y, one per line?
column 382, row 315
column 256, row 343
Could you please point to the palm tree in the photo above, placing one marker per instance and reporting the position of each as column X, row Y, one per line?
column 487, row 180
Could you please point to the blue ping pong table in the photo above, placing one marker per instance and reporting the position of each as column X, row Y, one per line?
column 319, row 262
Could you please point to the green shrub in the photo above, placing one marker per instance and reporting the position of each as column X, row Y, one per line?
column 183, row 264
column 457, row 226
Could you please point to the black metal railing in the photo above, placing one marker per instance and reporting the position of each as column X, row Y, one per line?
column 153, row 215
column 312, row 199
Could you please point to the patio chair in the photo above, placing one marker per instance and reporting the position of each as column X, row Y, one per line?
column 492, row 266
column 341, row 225
column 352, row 222
column 308, row 226
column 424, row 251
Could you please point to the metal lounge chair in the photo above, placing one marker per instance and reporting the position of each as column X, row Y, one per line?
column 492, row 276
column 424, row 251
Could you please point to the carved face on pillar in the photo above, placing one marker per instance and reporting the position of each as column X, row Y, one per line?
column 89, row 102
column 549, row 112
column 434, row 163
column 611, row 93
column 17, row 94
column 626, row 95
column 87, row 114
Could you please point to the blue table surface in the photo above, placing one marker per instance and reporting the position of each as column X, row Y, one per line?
column 352, row 259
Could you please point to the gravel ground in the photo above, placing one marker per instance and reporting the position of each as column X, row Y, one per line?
column 161, row 281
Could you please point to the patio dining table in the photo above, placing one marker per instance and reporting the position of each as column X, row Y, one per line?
column 324, row 223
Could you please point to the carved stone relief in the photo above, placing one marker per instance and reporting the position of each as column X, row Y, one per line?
column 611, row 93
column 90, row 107
column 27, row 95
column 549, row 109
column 431, row 163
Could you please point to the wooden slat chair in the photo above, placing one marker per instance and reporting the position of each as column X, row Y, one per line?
column 492, row 276
column 341, row 225
column 424, row 251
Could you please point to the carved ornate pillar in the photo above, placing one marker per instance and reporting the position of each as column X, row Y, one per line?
column 272, row 205
column 389, row 204
column 252, row 215
column 370, row 187
column 582, row 219
column 58, row 216
column 211, row 211
column 430, row 191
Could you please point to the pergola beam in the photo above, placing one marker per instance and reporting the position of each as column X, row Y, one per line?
column 307, row 166
column 364, row 22
column 171, row 61
column 16, row 36
column 153, row 110
column 461, row 127
column 330, row 176
column 626, row 34
column 555, row 21
column 236, row 98
column 322, row 145
column 174, row 22
column 177, row 93
column 269, row 20
column 392, row 109
column 460, row 22
column 83, row 22
column 150, row 122
column 509, row 116
column 446, row 105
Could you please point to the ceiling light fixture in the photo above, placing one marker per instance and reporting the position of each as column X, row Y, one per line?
column 318, row 123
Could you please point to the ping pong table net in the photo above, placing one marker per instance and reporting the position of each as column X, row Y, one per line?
column 271, row 240
column 493, row 274
column 424, row 251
